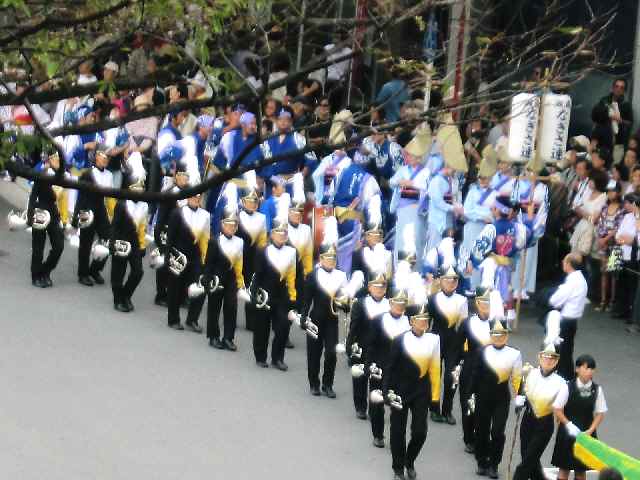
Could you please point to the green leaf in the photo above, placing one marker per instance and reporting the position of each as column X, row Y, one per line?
column 569, row 30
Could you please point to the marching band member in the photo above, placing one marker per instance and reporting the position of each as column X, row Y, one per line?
column 300, row 237
column 285, row 142
column 413, row 374
column 322, row 287
column 377, row 344
column 448, row 310
column 478, row 203
column 497, row 366
column 495, row 248
column 180, row 181
column 252, row 229
column 363, row 311
column 409, row 186
column 44, row 217
column 473, row 335
column 223, row 267
column 366, row 258
column 187, row 242
column 193, row 146
column 530, row 192
column 545, row 392
column 92, row 218
column 275, row 279
column 128, row 241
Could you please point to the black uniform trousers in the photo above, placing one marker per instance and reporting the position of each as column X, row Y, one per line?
column 404, row 455
column 535, row 434
column 265, row 321
column 327, row 340
column 162, row 280
column 376, row 410
column 468, row 418
column 177, row 288
column 249, row 315
column 38, row 241
column 492, row 410
column 227, row 301
column 124, row 290
column 449, row 356
column 86, row 266
column 566, row 368
column 360, row 392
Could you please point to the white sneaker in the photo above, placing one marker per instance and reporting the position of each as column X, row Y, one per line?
column 524, row 295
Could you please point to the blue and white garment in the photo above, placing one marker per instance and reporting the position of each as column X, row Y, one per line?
column 354, row 182
column 449, row 253
column 167, row 137
column 279, row 145
column 386, row 158
column 218, row 130
column 502, row 184
column 327, row 175
column 273, row 206
column 494, row 251
column 540, row 198
column 116, row 137
column 405, row 204
column 477, row 213
column 77, row 156
column 232, row 144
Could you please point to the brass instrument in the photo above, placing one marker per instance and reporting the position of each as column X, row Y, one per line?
column 85, row 218
column 121, row 248
column 41, row 219
column 177, row 261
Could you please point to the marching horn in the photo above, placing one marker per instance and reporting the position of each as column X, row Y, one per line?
column 394, row 400
column 375, row 372
column 262, row 299
column 17, row 221
column 356, row 351
column 357, row 370
column 41, row 219
column 121, row 248
column 177, row 261
column 376, row 397
column 85, row 218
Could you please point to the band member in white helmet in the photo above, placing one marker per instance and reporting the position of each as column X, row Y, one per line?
column 545, row 393
column 91, row 217
column 497, row 367
column 364, row 310
column 413, row 374
column 43, row 200
column 275, row 278
column 128, row 240
column 222, row 268
column 187, row 243
column 323, row 287
column 383, row 329
column 448, row 310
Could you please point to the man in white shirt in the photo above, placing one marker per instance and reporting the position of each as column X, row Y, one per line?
column 569, row 299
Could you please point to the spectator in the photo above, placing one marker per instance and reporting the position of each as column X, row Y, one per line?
column 601, row 158
column 581, row 240
column 630, row 159
column 270, row 109
column 606, row 228
column 620, row 174
column 625, row 238
column 619, row 117
column 634, row 184
column 393, row 95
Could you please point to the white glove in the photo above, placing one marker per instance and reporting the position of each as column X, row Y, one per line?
column 357, row 370
column 456, row 375
column 520, row 400
column 572, row 429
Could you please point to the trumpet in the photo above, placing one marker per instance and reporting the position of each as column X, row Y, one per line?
column 356, row 351
column 262, row 299
column 177, row 261
column 213, row 285
column 307, row 325
column 121, row 248
column 41, row 219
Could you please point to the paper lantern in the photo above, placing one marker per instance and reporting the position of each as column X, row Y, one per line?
column 556, row 113
column 523, row 127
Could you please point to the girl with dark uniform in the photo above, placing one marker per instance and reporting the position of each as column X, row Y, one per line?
column 44, row 197
column 583, row 412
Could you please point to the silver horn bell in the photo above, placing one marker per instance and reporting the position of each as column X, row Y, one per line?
column 177, row 261
column 41, row 219
column 121, row 248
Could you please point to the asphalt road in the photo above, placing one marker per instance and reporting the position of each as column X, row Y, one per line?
column 88, row 392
